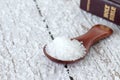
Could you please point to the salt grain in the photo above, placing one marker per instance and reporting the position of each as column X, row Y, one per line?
column 63, row 48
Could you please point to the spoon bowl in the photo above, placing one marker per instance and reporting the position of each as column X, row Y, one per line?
column 95, row 34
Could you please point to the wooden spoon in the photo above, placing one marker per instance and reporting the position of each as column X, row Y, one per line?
column 95, row 34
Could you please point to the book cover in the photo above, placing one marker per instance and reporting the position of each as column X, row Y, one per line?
column 107, row 9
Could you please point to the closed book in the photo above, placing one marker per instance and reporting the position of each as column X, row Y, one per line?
column 107, row 9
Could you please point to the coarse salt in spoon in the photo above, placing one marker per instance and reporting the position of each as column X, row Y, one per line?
column 64, row 50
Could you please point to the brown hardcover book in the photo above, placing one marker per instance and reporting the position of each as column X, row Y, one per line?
column 107, row 9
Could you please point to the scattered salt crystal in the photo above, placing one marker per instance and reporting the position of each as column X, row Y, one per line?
column 101, row 51
column 63, row 48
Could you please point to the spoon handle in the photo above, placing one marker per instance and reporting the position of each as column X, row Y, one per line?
column 95, row 34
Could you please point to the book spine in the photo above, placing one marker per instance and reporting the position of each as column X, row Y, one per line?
column 107, row 9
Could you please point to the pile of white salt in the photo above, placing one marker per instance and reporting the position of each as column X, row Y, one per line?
column 63, row 48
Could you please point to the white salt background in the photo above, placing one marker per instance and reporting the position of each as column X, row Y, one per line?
column 23, row 34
